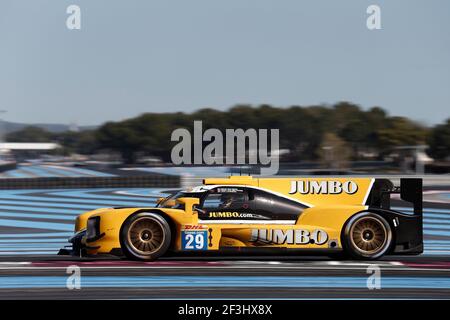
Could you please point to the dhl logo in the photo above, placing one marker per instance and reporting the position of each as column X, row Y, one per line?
column 191, row 227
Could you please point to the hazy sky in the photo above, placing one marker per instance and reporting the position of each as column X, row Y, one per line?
column 132, row 57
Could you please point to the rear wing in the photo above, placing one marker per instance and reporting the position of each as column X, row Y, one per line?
column 410, row 190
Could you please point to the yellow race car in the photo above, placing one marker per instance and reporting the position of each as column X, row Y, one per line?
column 243, row 214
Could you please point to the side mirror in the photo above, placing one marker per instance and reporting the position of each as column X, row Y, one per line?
column 169, row 203
column 188, row 203
column 160, row 200
column 199, row 210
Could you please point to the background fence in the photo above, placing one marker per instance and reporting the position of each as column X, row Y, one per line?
column 150, row 181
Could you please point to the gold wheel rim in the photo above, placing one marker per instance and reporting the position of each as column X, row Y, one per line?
column 368, row 235
column 146, row 235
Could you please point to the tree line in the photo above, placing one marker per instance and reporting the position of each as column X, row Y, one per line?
column 305, row 131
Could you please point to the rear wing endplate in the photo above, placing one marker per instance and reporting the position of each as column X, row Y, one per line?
column 410, row 190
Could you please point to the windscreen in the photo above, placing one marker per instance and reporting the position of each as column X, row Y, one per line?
column 170, row 201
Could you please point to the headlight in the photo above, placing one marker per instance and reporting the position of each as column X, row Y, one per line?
column 77, row 224
column 93, row 228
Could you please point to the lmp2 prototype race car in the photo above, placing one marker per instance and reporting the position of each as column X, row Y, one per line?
column 242, row 214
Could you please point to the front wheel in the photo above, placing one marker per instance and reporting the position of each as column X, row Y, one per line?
column 145, row 236
column 367, row 236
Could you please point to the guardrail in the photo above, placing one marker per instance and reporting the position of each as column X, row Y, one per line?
column 166, row 181
column 7, row 165
column 145, row 181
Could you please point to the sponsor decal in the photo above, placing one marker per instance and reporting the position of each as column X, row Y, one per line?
column 210, row 237
column 290, row 236
column 323, row 187
column 194, row 239
column 234, row 214
column 196, row 227
column 228, row 190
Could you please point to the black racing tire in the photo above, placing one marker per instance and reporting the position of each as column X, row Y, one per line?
column 367, row 236
column 145, row 236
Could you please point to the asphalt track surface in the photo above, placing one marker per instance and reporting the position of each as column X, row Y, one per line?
column 34, row 224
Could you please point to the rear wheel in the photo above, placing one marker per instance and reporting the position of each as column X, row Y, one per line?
column 367, row 236
column 145, row 236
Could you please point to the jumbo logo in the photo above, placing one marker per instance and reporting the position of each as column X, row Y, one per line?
column 323, row 187
column 226, row 214
column 291, row 236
